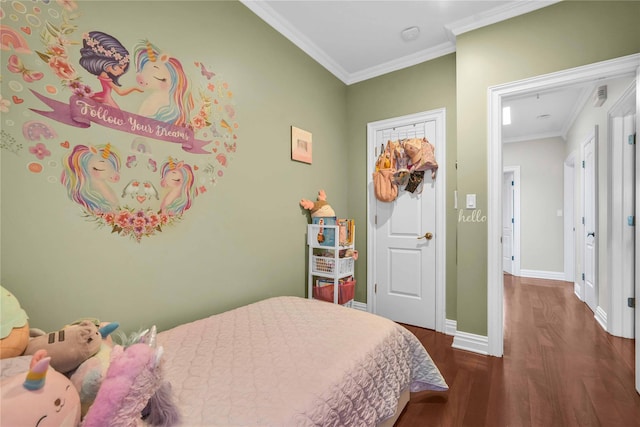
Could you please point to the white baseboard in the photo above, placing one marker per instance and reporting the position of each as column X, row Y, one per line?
column 601, row 317
column 577, row 289
column 540, row 274
column 471, row 342
column 359, row 305
column 450, row 327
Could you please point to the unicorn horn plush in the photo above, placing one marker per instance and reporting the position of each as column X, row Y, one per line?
column 42, row 397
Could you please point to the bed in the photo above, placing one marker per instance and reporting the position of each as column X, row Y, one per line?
column 290, row 361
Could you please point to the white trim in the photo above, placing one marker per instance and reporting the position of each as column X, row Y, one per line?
column 601, row 317
column 451, row 327
column 495, row 291
column 289, row 31
column 569, row 220
column 439, row 116
column 637, row 237
column 577, row 290
column 501, row 13
column 540, row 274
column 620, row 179
column 362, row 306
column 516, row 218
column 471, row 342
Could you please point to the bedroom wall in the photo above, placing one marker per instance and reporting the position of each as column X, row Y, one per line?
column 243, row 240
column 423, row 87
column 541, row 196
column 558, row 37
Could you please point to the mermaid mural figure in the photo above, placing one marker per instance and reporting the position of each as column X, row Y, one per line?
column 169, row 98
column 87, row 172
column 178, row 179
column 105, row 57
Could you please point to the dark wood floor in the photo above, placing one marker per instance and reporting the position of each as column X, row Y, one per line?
column 560, row 368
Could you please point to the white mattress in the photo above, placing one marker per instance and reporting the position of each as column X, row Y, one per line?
column 290, row 361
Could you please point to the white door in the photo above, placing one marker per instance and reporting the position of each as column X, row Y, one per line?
column 637, row 235
column 407, row 258
column 590, row 221
column 507, row 222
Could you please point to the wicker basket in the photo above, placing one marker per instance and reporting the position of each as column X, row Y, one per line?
column 346, row 292
column 327, row 265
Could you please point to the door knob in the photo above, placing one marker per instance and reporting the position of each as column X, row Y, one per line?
column 593, row 234
column 427, row 236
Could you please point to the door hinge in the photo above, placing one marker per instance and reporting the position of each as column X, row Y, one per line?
column 512, row 221
column 583, row 277
column 582, row 220
column 631, row 302
column 375, row 219
column 513, row 183
column 583, row 164
column 513, row 258
column 632, row 139
column 375, row 288
column 631, row 220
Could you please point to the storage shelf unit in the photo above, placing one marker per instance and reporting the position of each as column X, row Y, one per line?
column 325, row 263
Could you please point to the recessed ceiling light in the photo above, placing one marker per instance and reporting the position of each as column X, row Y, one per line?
column 409, row 34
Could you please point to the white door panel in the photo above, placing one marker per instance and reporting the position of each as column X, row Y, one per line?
column 404, row 263
column 507, row 222
column 590, row 222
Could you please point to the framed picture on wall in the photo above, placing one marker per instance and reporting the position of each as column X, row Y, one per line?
column 301, row 143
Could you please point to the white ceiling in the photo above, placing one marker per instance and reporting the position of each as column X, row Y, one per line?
column 360, row 39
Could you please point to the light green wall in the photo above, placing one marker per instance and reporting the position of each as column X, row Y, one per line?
column 558, row 37
column 242, row 241
column 541, row 163
column 423, row 87
column 245, row 240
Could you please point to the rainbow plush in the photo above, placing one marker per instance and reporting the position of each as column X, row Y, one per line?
column 42, row 396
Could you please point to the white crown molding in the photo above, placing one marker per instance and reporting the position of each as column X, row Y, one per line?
column 534, row 137
column 267, row 14
column 400, row 63
column 501, row 13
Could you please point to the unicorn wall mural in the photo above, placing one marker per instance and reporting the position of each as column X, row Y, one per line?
column 167, row 89
column 108, row 145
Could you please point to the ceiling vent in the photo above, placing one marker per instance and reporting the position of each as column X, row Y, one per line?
column 600, row 96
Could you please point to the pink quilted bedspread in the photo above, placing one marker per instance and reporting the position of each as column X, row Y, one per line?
column 290, row 361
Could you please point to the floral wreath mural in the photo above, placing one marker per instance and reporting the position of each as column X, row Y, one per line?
column 134, row 156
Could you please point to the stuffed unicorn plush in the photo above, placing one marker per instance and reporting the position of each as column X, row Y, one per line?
column 42, row 397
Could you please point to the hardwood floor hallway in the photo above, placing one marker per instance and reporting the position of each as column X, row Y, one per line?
column 560, row 368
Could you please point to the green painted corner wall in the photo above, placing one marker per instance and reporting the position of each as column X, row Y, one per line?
column 246, row 240
column 562, row 36
column 424, row 87
column 242, row 241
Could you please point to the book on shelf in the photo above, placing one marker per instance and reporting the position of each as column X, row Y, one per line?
column 324, row 236
column 346, row 231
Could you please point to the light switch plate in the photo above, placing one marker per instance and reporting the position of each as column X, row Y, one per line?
column 471, row 201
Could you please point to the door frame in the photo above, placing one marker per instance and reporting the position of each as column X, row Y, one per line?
column 439, row 115
column 495, row 292
column 620, row 321
column 569, row 218
column 592, row 136
column 515, row 170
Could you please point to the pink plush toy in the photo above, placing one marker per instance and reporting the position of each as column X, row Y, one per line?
column 133, row 386
column 319, row 208
column 42, row 397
